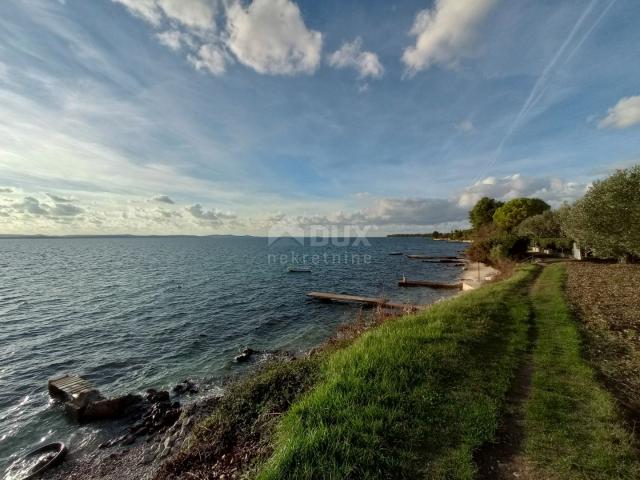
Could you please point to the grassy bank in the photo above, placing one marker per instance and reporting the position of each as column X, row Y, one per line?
column 413, row 397
column 572, row 427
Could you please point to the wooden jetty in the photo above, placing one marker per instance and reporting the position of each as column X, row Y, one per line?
column 372, row 301
column 431, row 257
column 446, row 260
column 424, row 283
column 70, row 388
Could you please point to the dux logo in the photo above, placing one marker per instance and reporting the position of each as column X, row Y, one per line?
column 319, row 235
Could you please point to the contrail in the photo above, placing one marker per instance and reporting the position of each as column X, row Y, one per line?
column 541, row 84
column 593, row 27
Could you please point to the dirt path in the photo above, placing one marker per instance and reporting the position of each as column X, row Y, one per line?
column 503, row 458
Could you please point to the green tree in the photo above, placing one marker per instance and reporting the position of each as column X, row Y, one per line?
column 543, row 225
column 607, row 219
column 482, row 212
column 512, row 213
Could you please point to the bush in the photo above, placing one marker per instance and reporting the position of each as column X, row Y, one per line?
column 492, row 246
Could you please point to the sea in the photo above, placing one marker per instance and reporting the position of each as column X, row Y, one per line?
column 130, row 314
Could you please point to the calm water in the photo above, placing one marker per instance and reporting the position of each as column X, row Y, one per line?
column 131, row 314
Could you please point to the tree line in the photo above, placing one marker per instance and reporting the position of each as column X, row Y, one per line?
column 605, row 223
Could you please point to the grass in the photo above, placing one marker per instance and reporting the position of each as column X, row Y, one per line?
column 413, row 397
column 573, row 430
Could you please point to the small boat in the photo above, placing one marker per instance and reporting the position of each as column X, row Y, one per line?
column 299, row 269
column 36, row 462
column 396, row 253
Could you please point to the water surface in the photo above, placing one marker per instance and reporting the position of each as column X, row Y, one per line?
column 134, row 313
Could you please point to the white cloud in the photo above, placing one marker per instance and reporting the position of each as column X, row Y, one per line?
column 175, row 39
column 197, row 14
column 445, row 33
column 270, row 36
column 552, row 190
column 192, row 13
column 351, row 55
column 625, row 114
column 145, row 9
column 209, row 57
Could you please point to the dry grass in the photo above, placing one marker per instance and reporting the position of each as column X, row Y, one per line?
column 607, row 299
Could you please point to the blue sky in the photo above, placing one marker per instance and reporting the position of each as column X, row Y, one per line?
column 225, row 116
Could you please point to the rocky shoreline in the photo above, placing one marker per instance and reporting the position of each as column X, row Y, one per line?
column 156, row 428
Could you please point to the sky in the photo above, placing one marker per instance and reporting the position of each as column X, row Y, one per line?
column 245, row 117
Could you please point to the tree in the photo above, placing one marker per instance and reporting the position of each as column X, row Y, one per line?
column 512, row 213
column 607, row 219
column 482, row 212
column 543, row 225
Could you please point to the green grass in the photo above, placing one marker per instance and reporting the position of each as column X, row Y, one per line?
column 412, row 398
column 572, row 427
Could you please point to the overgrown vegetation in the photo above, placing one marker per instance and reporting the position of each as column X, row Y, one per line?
column 239, row 430
column 413, row 397
column 572, row 427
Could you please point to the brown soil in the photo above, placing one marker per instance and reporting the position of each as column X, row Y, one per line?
column 607, row 300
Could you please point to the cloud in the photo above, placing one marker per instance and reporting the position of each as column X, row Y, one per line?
column 625, row 114
column 58, row 199
column 6, row 190
column 415, row 211
column 212, row 217
column 197, row 14
column 65, row 210
column 270, row 36
column 32, row 206
column 552, row 190
column 146, row 9
column 175, row 39
column 351, row 55
column 445, row 33
column 192, row 13
column 465, row 126
column 209, row 57
column 163, row 199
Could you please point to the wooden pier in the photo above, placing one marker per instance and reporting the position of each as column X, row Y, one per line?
column 424, row 283
column 372, row 301
column 432, row 257
column 71, row 387
column 446, row 260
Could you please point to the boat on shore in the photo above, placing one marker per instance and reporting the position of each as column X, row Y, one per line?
column 38, row 461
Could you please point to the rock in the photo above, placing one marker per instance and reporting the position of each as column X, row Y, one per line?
column 110, row 408
column 148, row 457
column 245, row 355
column 154, row 396
column 165, row 453
column 186, row 386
